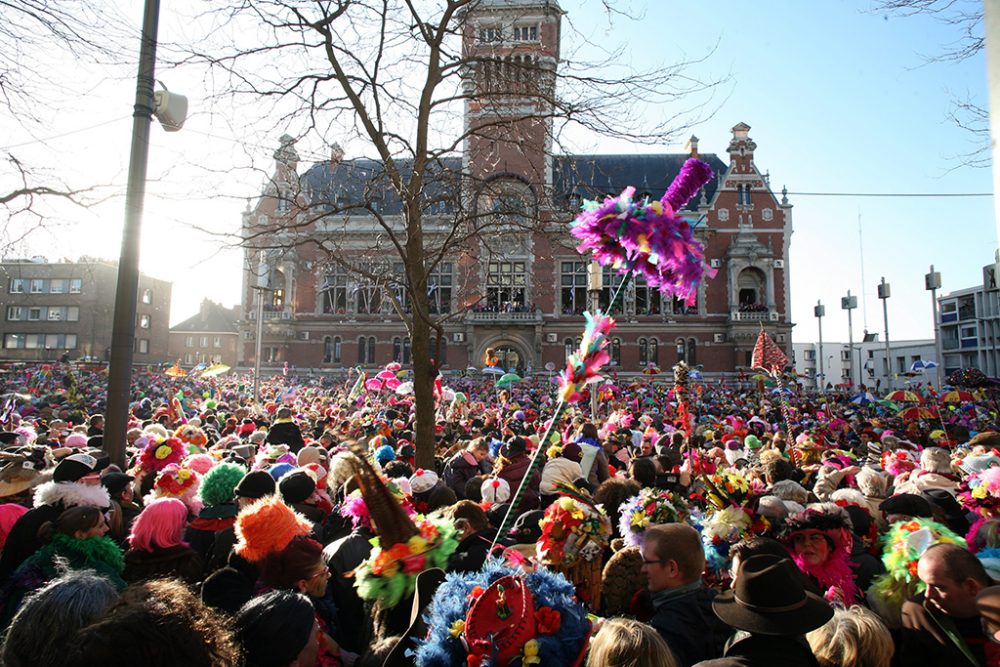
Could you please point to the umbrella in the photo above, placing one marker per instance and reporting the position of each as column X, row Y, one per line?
column 493, row 370
column 508, row 379
column 916, row 412
column 919, row 366
column 176, row 371
column 214, row 370
column 651, row 370
column 863, row 398
column 404, row 388
column 904, row 396
column 957, row 396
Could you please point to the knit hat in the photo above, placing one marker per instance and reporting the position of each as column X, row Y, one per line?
column 423, row 480
column 256, row 484
column 495, row 490
column 296, row 486
column 573, row 452
column 267, row 527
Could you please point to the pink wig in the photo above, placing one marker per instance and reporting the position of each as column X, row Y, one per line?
column 159, row 526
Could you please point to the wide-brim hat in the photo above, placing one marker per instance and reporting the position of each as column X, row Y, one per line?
column 769, row 599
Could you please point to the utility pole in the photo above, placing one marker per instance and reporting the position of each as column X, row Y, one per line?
column 819, row 311
column 127, row 290
column 932, row 282
column 884, row 292
column 849, row 303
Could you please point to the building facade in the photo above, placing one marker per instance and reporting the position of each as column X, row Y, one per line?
column 521, row 288
column 970, row 326
column 209, row 337
column 65, row 308
column 867, row 365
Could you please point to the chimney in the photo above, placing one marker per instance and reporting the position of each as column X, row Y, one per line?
column 206, row 306
column 336, row 154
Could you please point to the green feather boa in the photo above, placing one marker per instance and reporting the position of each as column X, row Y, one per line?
column 84, row 552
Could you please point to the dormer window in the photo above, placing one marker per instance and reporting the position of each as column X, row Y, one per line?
column 490, row 35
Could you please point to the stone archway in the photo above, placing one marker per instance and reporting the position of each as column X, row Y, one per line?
column 512, row 353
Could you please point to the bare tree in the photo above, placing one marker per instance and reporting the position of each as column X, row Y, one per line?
column 45, row 41
column 421, row 85
column 966, row 18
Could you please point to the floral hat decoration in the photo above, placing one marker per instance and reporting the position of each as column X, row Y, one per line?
column 904, row 544
column 649, row 508
column 158, row 454
column 980, row 493
column 403, row 547
column 499, row 616
column 573, row 529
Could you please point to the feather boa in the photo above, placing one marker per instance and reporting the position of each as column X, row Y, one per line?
column 97, row 549
column 71, row 494
column 835, row 576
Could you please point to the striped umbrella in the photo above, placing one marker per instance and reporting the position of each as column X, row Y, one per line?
column 904, row 396
column 957, row 396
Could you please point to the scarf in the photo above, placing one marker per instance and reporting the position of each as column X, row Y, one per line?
column 83, row 552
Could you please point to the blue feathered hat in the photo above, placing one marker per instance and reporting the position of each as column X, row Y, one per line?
column 548, row 622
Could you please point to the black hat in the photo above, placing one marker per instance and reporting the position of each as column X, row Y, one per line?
column 75, row 467
column 95, row 441
column 256, row 484
column 115, row 482
column 909, row 504
column 296, row 487
column 768, row 599
column 8, row 437
column 526, row 529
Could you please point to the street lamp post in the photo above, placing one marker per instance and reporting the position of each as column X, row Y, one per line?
column 820, row 310
column 884, row 292
column 932, row 282
column 261, row 288
column 595, row 283
column 849, row 303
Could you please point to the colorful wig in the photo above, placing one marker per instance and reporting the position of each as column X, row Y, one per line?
column 160, row 525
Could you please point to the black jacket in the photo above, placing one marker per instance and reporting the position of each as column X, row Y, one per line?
column 179, row 561
column 458, row 471
column 342, row 557
column 689, row 626
column 765, row 651
column 471, row 552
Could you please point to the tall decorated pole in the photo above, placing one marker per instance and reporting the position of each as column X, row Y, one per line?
column 648, row 237
column 770, row 358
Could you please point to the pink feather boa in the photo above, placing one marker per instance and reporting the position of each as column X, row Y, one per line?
column 835, row 576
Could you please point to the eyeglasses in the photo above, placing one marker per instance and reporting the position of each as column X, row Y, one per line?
column 325, row 572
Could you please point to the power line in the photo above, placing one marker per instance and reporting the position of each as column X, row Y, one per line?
column 890, row 194
column 64, row 134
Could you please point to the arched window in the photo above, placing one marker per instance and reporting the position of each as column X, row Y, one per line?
column 692, row 348
column 568, row 347
column 406, row 351
column 751, row 287
column 643, row 352
column 654, row 352
column 441, row 359
column 362, row 350
column 327, row 350
column 371, row 349
column 397, row 349
column 681, row 349
column 616, row 352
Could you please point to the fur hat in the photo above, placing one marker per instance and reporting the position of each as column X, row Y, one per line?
column 266, row 527
column 219, row 483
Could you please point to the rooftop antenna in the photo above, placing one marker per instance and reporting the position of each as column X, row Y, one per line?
column 861, row 251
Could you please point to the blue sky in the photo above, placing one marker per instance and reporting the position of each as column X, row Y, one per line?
column 839, row 100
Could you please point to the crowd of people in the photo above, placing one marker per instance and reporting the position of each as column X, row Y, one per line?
column 749, row 526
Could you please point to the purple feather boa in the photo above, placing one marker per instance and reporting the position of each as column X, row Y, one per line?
column 648, row 237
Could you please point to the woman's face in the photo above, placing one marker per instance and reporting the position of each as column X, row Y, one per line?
column 813, row 547
column 316, row 580
column 98, row 530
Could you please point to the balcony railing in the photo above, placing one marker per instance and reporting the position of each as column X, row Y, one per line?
column 534, row 317
column 753, row 316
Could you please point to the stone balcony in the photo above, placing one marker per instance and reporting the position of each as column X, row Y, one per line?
column 753, row 316
column 503, row 318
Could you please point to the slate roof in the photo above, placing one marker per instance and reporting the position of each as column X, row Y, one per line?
column 212, row 318
column 588, row 176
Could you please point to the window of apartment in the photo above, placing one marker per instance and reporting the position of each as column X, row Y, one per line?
column 968, row 332
column 489, row 35
column 189, row 341
column 526, row 33
column 14, row 341
column 142, row 345
column 506, row 286
column 55, row 314
column 401, row 350
column 809, row 355
column 648, row 351
column 37, row 286
column 144, row 321
column 648, row 300
column 845, row 355
column 203, row 342
column 439, row 284
column 334, row 291
column 17, row 285
column 217, row 341
column 75, row 285
column 610, row 280
column 900, row 364
column 147, row 296
column 366, row 350
column 15, row 313
column 188, row 359
column 270, row 354
column 573, row 288
column 57, row 286
column 616, row 351
column 34, row 314
column 568, row 347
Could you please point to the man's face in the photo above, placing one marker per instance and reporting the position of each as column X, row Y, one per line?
column 661, row 575
column 943, row 593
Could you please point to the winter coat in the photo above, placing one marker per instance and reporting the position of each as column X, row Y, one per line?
column 685, row 620
column 179, row 561
column 471, row 552
column 923, row 480
column 200, row 533
column 459, row 469
column 342, row 557
column 765, row 650
column 285, row 432
column 51, row 500
column 558, row 470
column 100, row 554
column 513, row 473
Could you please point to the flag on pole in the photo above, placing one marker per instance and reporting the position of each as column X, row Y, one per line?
column 358, row 387
column 767, row 355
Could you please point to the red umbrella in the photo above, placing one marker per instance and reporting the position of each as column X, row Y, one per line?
column 917, row 413
column 957, row 396
column 904, row 396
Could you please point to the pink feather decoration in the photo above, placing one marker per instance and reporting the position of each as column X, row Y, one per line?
column 649, row 237
column 584, row 366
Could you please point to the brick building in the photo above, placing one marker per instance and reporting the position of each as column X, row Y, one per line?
column 211, row 336
column 519, row 290
column 51, row 309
